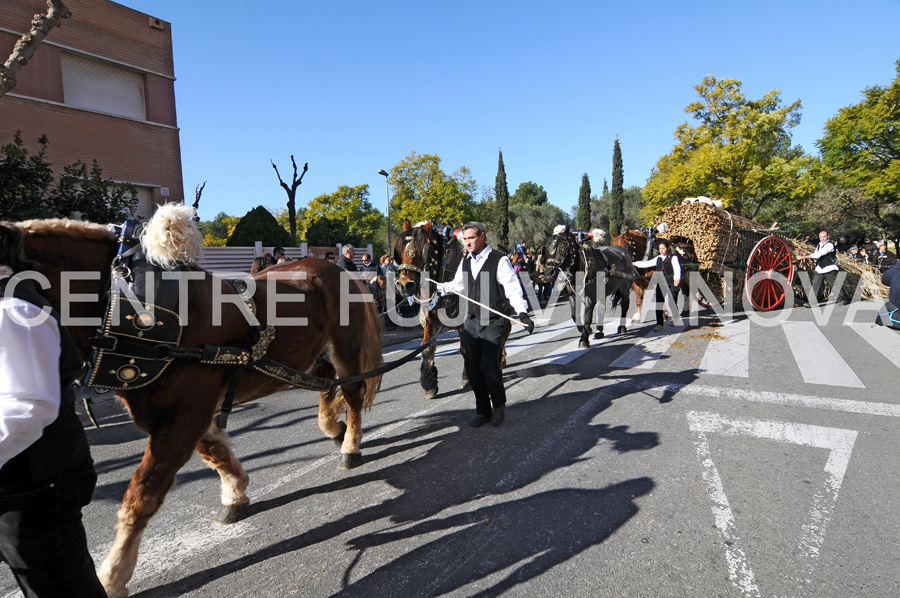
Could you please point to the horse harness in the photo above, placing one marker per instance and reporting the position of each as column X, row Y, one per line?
column 436, row 257
column 141, row 332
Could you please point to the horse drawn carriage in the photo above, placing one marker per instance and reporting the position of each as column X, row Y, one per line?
column 715, row 242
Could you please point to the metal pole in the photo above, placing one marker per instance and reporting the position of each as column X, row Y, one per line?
column 387, row 189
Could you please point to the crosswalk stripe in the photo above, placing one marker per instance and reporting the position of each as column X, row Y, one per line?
column 648, row 350
column 569, row 352
column 819, row 362
column 884, row 339
column 729, row 355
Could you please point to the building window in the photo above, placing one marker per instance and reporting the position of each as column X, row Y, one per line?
column 102, row 87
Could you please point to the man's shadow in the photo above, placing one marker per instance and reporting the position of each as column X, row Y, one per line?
column 534, row 534
column 460, row 467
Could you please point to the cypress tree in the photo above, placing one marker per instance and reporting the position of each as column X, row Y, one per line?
column 583, row 216
column 502, row 197
column 617, row 201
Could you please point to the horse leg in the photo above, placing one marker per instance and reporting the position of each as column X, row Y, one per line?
column 638, row 300
column 428, row 374
column 351, row 456
column 216, row 452
column 587, row 315
column 464, row 381
column 167, row 451
column 626, row 303
column 329, row 423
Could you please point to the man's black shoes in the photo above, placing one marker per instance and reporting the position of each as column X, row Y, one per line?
column 497, row 415
column 479, row 421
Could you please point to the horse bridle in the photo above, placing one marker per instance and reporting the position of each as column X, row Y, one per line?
column 430, row 257
column 564, row 246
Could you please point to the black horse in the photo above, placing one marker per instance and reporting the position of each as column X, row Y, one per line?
column 432, row 251
column 570, row 258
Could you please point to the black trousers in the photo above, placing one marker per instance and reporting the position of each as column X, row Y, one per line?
column 42, row 537
column 482, row 363
column 817, row 285
column 661, row 301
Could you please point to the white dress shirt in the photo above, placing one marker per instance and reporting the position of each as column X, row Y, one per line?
column 651, row 263
column 29, row 375
column 821, row 250
column 506, row 276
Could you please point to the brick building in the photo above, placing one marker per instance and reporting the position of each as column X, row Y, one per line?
column 101, row 86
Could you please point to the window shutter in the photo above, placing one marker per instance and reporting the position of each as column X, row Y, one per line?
column 102, row 87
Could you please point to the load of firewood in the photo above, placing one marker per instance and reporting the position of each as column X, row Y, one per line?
column 712, row 230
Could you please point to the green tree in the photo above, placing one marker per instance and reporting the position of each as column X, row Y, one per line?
column 583, row 215
column 216, row 231
column 861, row 149
column 502, row 197
column 27, row 190
column 258, row 225
column 530, row 194
column 533, row 224
column 617, row 198
column 349, row 214
column 631, row 209
column 95, row 198
column 739, row 151
column 25, row 180
column 423, row 191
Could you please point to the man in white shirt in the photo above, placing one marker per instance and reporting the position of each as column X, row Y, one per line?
column 46, row 471
column 826, row 267
column 487, row 277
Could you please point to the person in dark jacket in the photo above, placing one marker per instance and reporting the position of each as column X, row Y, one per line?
column 46, row 471
column 345, row 262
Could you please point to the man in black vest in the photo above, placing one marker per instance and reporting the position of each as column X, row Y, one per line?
column 46, row 471
column 826, row 267
column 486, row 276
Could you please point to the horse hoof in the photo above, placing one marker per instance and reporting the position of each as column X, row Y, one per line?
column 430, row 393
column 464, row 383
column 350, row 460
column 621, row 330
column 339, row 439
column 598, row 335
column 229, row 514
column 584, row 345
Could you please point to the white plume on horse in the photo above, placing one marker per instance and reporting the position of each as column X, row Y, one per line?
column 599, row 235
column 172, row 237
column 662, row 228
column 559, row 228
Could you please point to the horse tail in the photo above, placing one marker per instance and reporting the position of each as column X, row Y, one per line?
column 370, row 352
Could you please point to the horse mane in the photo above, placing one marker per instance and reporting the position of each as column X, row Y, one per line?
column 65, row 227
column 172, row 237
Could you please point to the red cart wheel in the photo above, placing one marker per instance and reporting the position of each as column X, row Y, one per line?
column 771, row 256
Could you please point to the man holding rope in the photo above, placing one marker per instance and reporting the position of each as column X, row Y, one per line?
column 486, row 280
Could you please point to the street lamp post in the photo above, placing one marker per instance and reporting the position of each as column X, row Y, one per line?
column 387, row 190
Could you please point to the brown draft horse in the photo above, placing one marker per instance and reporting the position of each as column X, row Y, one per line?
column 422, row 250
column 177, row 410
column 635, row 242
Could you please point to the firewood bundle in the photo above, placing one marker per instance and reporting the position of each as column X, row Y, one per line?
column 857, row 274
column 712, row 230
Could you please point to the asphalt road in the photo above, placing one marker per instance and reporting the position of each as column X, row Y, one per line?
column 730, row 458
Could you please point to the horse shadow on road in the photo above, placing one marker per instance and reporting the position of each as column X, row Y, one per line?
column 435, row 467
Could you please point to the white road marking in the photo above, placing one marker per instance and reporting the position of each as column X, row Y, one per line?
column 840, row 444
column 760, row 396
column 648, row 350
column 819, row 362
column 886, row 340
column 729, row 355
column 570, row 351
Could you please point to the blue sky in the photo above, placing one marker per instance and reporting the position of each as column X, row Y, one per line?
column 352, row 87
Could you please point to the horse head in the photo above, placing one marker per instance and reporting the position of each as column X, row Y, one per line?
column 417, row 253
column 634, row 241
column 561, row 251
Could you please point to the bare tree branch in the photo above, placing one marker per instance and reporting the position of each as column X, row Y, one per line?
column 25, row 48
column 292, row 193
